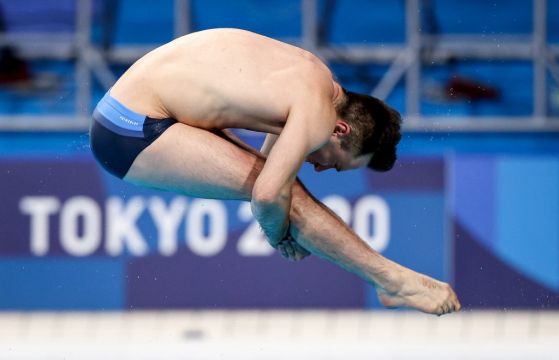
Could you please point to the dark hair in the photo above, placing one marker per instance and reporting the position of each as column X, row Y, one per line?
column 375, row 128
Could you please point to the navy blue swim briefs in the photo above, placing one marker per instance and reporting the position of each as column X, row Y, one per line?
column 118, row 134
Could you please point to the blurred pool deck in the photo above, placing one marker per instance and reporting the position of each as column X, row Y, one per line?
column 279, row 335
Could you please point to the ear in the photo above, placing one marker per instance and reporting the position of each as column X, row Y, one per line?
column 342, row 128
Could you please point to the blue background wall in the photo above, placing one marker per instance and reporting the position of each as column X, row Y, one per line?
column 479, row 211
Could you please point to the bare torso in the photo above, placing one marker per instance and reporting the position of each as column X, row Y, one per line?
column 225, row 78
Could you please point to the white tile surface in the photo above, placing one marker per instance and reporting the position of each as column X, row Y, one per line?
column 279, row 335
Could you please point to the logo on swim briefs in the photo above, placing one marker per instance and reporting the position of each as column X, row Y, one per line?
column 128, row 121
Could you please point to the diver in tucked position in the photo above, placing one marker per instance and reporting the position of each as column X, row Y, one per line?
column 163, row 125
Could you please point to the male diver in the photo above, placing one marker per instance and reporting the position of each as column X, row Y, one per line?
column 164, row 125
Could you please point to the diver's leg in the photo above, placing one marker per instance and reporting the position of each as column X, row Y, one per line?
column 199, row 163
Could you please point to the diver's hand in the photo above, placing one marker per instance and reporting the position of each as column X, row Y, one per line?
column 290, row 250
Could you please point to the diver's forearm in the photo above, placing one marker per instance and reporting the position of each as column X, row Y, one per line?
column 272, row 217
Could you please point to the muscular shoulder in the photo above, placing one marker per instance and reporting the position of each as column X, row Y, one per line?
column 312, row 101
column 311, row 79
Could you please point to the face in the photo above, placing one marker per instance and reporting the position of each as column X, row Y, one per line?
column 332, row 156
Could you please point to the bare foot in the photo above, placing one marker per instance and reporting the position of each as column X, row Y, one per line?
column 420, row 292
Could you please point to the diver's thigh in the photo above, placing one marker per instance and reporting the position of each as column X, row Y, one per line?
column 196, row 162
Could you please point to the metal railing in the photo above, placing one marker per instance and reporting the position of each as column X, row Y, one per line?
column 405, row 61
